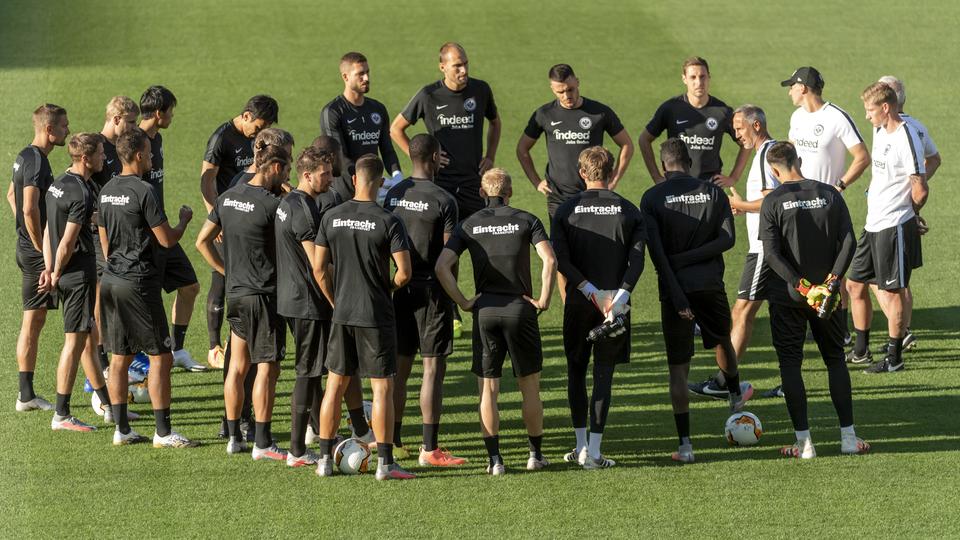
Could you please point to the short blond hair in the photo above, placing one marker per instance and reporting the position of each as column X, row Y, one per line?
column 496, row 183
column 878, row 93
column 596, row 163
column 121, row 106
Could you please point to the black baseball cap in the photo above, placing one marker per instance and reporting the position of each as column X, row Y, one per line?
column 807, row 76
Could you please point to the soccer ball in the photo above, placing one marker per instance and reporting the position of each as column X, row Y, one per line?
column 138, row 393
column 367, row 413
column 351, row 456
column 743, row 429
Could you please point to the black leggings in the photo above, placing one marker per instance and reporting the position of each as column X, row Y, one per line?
column 599, row 401
column 305, row 390
column 215, row 303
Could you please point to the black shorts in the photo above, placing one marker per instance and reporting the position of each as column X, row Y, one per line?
column 30, row 271
column 424, row 315
column 788, row 328
column 496, row 335
column 711, row 311
column 467, row 193
column 579, row 318
column 887, row 257
column 254, row 319
column 132, row 318
column 175, row 268
column 362, row 351
column 77, row 292
column 753, row 280
column 98, row 253
column 310, row 340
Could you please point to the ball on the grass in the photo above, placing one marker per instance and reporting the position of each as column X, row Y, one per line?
column 351, row 456
column 743, row 429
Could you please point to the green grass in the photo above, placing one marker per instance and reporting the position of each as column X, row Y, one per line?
column 627, row 54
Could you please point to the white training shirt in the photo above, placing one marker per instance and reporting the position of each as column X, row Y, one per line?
column 929, row 147
column 759, row 179
column 896, row 156
column 822, row 138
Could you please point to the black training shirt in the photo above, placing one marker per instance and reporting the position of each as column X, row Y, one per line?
column 229, row 150
column 246, row 213
column 31, row 169
column 569, row 131
column 128, row 211
column 298, row 294
column 241, row 178
column 111, row 165
column 427, row 211
column 361, row 237
column 807, row 233
column 499, row 239
column 701, row 129
column 70, row 200
column 599, row 236
column 690, row 225
column 456, row 120
column 155, row 176
column 359, row 130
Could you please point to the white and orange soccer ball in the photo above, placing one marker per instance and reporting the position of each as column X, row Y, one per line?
column 743, row 429
column 351, row 456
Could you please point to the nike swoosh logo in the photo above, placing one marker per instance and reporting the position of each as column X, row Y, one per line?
column 741, row 292
column 679, row 122
column 352, row 120
column 555, row 123
column 442, row 106
column 891, row 281
column 238, row 150
column 109, row 161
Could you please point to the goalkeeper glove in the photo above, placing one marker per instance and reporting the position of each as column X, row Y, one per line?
column 599, row 299
column 814, row 294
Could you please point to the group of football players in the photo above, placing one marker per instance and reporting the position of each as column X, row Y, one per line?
column 314, row 257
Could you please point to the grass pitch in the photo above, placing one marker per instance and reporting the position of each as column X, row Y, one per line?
column 79, row 54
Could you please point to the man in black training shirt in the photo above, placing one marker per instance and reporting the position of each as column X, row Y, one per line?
column 299, row 299
column 599, row 239
column 132, row 228
column 808, row 242
column 359, row 124
column 360, row 238
column 156, row 108
column 699, row 120
column 72, row 269
column 690, row 225
column 31, row 178
column 423, row 311
column 505, row 314
column 246, row 215
column 453, row 109
column 229, row 151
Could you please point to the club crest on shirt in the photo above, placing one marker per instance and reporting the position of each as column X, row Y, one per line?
column 470, row 104
column 586, row 123
column 818, row 130
column 712, row 123
column 375, row 118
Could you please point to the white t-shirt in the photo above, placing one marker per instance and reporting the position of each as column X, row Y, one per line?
column 929, row 147
column 822, row 138
column 759, row 179
column 896, row 156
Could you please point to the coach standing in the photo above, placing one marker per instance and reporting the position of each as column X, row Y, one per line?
column 699, row 120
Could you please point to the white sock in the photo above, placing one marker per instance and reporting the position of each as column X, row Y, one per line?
column 847, row 433
column 581, row 433
column 803, row 435
column 593, row 447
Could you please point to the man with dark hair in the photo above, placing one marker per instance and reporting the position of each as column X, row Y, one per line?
column 599, row 239
column 505, row 314
column 299, row 299
column 156, row 109
column 360, row 238
column 424, row 314
column 229, row 151
column 71, row 267
column 690, row 226
column 246, row 215
column 808, row 242
column 358, row 123
column 700, row 120
column 32, row 177
column 132, row 227
column 889, row 247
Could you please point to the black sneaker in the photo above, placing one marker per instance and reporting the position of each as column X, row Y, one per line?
column 776, row 392
column 709, row 388
column 886, row 366
column 852, row 357
column 909, row 342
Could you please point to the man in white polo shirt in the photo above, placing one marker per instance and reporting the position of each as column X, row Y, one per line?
column 889, row 247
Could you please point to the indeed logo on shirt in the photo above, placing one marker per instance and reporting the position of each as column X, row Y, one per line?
column 244, row 162
column 572, row 137
column 114, row 200
column 509, row 228
column 813, row 204
column 804, row 143
column 245, row 207
column 281, row 214
column 355, row 224
column 413, row 206
column 611, row 210
column 455, row 121
column 880, row 164
column 57, row 193
column 699, row 198
column 696, row 142
column 365, row 136
column 156, row 174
